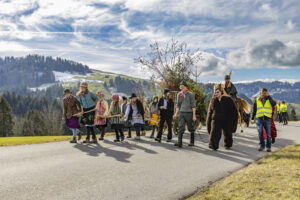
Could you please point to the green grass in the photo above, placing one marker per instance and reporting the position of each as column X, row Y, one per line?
column 9, row 141
column 276, row 176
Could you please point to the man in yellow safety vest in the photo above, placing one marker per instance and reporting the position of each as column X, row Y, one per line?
column 278, row 112
column 283, row 111
column 262, row 111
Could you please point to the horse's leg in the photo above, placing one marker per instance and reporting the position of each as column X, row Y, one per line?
column 241, row 121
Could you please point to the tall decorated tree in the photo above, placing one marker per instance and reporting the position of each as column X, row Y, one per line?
column 172, row 63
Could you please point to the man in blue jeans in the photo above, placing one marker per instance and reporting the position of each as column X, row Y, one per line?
column 262, row 110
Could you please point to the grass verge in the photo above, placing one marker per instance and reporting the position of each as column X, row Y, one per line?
column 276, row 176
column 10, row 141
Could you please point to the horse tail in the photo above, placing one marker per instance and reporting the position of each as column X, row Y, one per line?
column 245, row 105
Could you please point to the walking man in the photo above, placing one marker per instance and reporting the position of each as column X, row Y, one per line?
column 262, row 110
column 166, row 110
column 186, row 108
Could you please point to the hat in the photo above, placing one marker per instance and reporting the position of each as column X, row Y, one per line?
column 84, row 84
column 67, row 91
column 115, row 97
column 124, row 98
column 133, row 95
column 100, row 94
column 183, row 83
column 166, row 90
column 227, row 77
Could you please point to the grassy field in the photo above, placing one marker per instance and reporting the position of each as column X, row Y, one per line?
column 10, row 141
column 276, row 176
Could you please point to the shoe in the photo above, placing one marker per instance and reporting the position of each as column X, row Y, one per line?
column 158, row 140
column 260, row 149
column 268, row 150
column 101, row 138
column 79, row 136
column 227, row 148
column 273, row 140
column 122, row 139
column 169, row 140
column 211, row 147
column 94, row 141
column 116, row 140
column 128, row 136
column 137, row 138
column 191, row 144
column 73, row 141
column 178, row 145
column 86, row 141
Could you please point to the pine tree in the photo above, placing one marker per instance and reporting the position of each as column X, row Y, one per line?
column 6, row 119
column 34, row 124
column 293, row 115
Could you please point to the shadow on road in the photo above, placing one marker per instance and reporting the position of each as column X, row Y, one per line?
column 243, row 151
column 95, row 150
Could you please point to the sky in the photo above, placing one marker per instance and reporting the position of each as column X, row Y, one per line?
column 256, row 39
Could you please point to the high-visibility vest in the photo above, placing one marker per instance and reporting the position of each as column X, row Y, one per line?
column 283, row 108
column 263, row 110
column 278, row 108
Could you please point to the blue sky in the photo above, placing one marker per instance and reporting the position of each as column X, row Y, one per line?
column 254, row 39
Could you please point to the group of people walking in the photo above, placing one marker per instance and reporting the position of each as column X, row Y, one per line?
column 92, row 110
column 281, row 110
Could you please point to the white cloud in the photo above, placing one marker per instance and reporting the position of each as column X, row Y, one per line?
column 290, row 24
column 270, row 53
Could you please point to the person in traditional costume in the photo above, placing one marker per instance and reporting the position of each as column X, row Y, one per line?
column 88, row 101
column 222, row 116
column 153, row 115
column 127, row 123
column 71, row 107
column 115, row 120
column 102, row 111
column 166, row 112
column 186, row 108
column 230, row 88
column 136, row 115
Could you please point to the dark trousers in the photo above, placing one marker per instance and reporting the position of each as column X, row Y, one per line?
column 117, row 131
column 138, row 128
column 279, row 117
column 101, row 129
column 153, row 130
column 284, row 117
column 217, row 127
column 129, row 131
column 161, row 124
column 90, row 130
column 186, row 118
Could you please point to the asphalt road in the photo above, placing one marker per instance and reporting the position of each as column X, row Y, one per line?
column 130, row 170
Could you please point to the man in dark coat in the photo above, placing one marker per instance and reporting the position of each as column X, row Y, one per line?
column 222, row 115
column 230, row 88
column 166, row 109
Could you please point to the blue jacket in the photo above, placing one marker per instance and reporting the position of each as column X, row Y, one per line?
column 88, row 102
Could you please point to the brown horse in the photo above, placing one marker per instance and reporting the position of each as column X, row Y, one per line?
column 242, row 105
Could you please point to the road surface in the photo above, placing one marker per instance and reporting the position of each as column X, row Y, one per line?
column 130, row 170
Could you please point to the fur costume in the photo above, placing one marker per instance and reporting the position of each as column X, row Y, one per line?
column 222, row 116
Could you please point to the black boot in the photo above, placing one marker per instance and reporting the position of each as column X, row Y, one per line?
column 178, row 145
